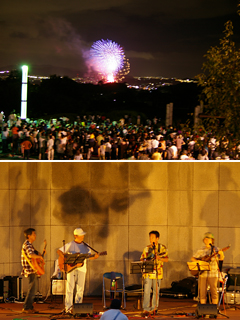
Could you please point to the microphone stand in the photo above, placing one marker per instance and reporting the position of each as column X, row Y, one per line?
column 156, row 265
column 223, row 284
column 64, row 277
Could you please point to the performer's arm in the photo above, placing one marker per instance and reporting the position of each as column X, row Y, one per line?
column 94, row 257
column 35, row 256
column 163, row 259
column 220, row 255
column 60, row 253
column 163, row 256
column 32, row 253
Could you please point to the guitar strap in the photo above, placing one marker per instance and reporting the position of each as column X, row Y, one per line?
column 117, row 315
column 28, row 260
column 89, row 247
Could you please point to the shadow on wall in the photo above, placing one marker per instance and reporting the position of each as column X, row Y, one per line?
column 217, row 212
column 79, row 206
column 26, row 209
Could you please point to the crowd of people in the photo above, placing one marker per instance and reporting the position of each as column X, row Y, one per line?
column 97, row 138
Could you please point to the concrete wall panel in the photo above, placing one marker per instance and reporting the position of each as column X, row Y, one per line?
column 150, row 176
column 229, row 176
column 180, row 250
column 40, row 207
column 229, row 207
column 205, row 208
column 230, row 236
column 67, row 175
column 41, row 175
column 4, row 208
column 109, row 175
column 5, row 250
column 20, row 175
column 206, row 176
column 4, row 181
column 148, row 208
column 180, row 208
column 180, row 175
column 20, row 207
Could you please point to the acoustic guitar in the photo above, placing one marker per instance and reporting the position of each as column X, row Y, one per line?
column 65, row 267
column 207, row 258
column 38, row 265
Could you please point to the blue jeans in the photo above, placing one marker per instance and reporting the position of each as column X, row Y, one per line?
column 148, row 284
column 32, row 289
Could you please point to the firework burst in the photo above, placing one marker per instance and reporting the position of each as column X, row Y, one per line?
column 109, row 61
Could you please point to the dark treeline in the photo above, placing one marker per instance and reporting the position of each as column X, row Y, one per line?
column 63, row 95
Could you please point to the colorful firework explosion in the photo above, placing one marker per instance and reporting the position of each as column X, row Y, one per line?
column 109, row 61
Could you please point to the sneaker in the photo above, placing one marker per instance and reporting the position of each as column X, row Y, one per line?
column 69, row 311
column 145, row 313
column 29, row 311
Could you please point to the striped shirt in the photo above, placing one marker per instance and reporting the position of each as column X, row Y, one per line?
column 28, row 249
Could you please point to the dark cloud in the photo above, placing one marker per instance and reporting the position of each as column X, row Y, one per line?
column 21, row 35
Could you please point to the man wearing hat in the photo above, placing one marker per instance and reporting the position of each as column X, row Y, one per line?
column 215, row 258
column 75, row 278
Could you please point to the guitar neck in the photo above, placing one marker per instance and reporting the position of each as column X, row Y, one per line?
column 208, row 258
column 104, row 253
column 44, row 249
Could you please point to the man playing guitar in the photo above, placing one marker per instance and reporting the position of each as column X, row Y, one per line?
column 75, row 278
column 28, row 257
column 215, row 258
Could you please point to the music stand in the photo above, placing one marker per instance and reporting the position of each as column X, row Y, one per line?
column 75, row 258
column 142, row 267
column 196, row 268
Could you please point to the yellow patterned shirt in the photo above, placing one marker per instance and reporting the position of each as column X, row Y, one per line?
column 148, row 254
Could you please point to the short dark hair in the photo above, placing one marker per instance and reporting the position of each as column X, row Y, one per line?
column 157, row 234
column 115, row 304
column 28, row 232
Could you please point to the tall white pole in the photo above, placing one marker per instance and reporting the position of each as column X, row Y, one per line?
column 24, row 92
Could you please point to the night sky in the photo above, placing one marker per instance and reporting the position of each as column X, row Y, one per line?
column 160, row 37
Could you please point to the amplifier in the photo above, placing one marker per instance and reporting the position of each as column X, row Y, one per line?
column 58, row 287
column 206, row 309
column 232, row 297
column 13, row 287
column 233, row 279
column 1, row 290
column 82, row 308
column 6, row 289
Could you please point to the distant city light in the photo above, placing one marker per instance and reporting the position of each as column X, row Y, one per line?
column 24, row 92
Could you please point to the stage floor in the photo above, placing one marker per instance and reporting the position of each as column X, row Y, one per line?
column 169, row 308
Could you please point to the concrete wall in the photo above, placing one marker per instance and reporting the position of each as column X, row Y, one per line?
column 117, row 204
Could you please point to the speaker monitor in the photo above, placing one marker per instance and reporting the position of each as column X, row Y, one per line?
column 82, row 308
column 1, row 289
column 206, row 309
column 58, row 287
